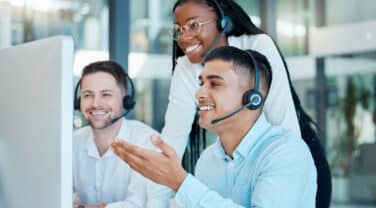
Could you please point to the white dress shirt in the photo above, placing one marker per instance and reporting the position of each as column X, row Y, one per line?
column 278, row 108
column 108, row 179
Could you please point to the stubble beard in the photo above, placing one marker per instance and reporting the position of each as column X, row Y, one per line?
column 100, row 124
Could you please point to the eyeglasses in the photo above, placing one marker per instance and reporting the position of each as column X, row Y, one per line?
column 192, row 27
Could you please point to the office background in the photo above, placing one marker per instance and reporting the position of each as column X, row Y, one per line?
column 330, row 47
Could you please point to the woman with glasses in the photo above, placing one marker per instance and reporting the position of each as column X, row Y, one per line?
column 200, row 26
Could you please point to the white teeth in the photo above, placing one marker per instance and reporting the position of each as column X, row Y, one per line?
column 98, row 113
column 191, row 48
column 206, row 108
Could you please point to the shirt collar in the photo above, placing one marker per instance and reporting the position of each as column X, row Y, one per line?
column 218, row 149
column 248, row 141
column 91, row 147
column 254, row 134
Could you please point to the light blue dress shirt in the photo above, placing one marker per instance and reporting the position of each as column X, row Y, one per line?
column 271, row 167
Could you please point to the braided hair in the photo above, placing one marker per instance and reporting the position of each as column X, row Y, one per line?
column 308, row 128
column 242, row 26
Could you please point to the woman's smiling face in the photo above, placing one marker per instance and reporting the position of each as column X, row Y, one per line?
column 194, row 44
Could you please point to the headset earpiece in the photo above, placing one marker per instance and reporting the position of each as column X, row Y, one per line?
column 76, row 99
column 128, row 102
column 225, row 23
column 77, row 104
column 253, row 99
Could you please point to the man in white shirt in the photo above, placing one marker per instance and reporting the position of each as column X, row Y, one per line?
column 100, row 178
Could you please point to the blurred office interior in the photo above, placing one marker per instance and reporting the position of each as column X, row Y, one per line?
column 330, row 46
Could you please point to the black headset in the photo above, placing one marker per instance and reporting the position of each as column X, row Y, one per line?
column 128, row 100
column 253, row 97
column 225, row 23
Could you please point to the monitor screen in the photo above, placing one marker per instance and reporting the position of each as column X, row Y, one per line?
column 36, row 124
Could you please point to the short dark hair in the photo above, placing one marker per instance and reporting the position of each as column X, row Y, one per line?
column 110, row 67
column 243, row 63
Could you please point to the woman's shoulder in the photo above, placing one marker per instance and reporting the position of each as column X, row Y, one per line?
column 183, row 62
column 184, row 66
column 249, row 41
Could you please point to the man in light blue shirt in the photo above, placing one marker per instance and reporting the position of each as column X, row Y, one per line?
column 252, row 163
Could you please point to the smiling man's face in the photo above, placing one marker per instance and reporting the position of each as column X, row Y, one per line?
column 220, row 93
column 101, row 99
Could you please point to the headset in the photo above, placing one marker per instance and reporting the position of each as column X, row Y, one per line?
column 224, row 23
column 128, row 100
column 252, row 98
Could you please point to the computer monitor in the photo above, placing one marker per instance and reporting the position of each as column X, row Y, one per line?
column 36, row 124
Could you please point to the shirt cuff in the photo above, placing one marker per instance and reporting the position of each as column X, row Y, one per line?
column 190, row 192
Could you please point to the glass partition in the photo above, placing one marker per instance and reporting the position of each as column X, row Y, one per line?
column 351, row 142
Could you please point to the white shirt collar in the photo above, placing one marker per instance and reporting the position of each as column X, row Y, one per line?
column 91, row 147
